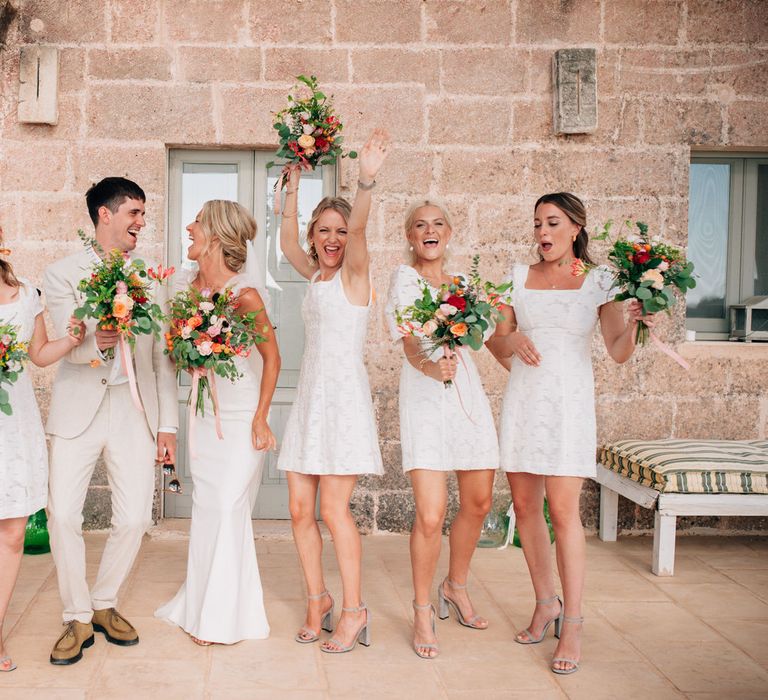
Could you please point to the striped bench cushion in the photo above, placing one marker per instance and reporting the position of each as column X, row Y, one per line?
column 691, row 466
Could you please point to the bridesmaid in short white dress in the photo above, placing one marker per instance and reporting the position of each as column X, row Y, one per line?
column 547, row 426
column 221, row 599
column 441, row 430
column 23, row 453
column 330, row 437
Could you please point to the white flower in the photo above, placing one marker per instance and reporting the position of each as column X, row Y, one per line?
column 14, row 366
column 186, row 331
column 304, row 115
column 205, row 348
column 306, row 141
column 633, row 238
column 655, row 240
column 429, row 327
column 655, row 276
column 213, row 331
column 663, row 266
column 288, row 121
column 308, row 128
column 206, row 306
column 448, row 309
column 5, row 340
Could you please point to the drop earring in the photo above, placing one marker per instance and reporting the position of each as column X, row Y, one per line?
column 410, row 248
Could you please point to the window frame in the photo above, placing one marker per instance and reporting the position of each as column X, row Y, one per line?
column 742, row 233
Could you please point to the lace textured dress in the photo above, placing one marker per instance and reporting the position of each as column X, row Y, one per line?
column 437, row 432
column 331, row 427
column 23, row 454
column 221, row 599
column 547, row 423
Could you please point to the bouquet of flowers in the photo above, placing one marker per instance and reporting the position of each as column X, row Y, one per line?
column 458, row 314
column 645, row 269
column 206, row 334
column 309, row 131
column 13, row 355
column 117, row 295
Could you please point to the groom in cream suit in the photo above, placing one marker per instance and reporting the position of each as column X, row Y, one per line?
column 92, row 414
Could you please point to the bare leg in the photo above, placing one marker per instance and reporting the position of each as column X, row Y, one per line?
column 528, row 498
column 431, row 497
column 11, row 549
column 335, row 492
column 475, row 493
column 563, row 494
column 302, row 493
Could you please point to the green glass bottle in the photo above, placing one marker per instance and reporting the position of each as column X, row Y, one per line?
column 36, row 539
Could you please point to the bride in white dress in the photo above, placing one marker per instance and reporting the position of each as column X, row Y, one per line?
column 221, row 600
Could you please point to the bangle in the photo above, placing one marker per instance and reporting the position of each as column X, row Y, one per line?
column 421, row 365
column 292, row 215
column 366, row 186
column 291, row 191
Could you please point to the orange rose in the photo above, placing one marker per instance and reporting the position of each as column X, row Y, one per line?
column 217, row 347
column 194, row 322
column 459, row 329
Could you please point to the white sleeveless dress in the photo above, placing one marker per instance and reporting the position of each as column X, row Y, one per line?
column 23, row 454
column 331, row 428
column 221, row 599
column 440, row 429
column 547, row 423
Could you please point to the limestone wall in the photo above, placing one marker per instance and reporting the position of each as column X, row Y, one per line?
column 465, row 89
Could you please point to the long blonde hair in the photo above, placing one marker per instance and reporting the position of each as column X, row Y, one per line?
column 337, row 204
column 232, row 226
column 410, row 219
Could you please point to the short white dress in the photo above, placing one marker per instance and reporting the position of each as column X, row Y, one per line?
column 221, row 599
column 547, row 423
column 331, row 428
column 23, row 454
column 441, row 428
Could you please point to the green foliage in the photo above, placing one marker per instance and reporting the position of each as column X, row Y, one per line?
column 13, row 358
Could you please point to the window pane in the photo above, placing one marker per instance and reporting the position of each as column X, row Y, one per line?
column 708, row 215
column 761, row 234
column 199, row 183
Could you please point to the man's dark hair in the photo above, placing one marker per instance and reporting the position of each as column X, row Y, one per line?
column 111, row 192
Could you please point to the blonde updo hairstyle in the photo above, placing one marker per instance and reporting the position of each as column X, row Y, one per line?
column 337, row 204
column 410, row 220
column 230, row 226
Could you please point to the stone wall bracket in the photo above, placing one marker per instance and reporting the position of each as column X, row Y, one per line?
column 38, row 85
column 574, row 84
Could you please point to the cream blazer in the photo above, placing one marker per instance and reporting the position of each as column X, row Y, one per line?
column 80, row 382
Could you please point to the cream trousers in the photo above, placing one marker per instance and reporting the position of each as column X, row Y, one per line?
column 120, row 433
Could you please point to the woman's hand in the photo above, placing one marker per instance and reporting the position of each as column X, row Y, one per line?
column 262, row 436
column 522, row 346
column 75, row 331
column 373, row 155
column 444, row 370
column 636, row 314
column 294, row 176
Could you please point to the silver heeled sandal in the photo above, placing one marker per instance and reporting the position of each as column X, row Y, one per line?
column 416, row 646
column 11, row 665
column 558, row 620
column 363, row 634
column 574, row 662
column 444, row 602
column 306, row 635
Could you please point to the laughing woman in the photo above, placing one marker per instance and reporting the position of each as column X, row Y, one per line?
column 330, row 437
column 440, row 431
column 547, row 426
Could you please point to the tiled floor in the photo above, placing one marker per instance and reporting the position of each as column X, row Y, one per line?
column 702, row 634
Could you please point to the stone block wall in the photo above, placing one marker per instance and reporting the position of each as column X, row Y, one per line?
column 464, row 86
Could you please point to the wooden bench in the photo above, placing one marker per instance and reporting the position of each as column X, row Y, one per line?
column 681, row 477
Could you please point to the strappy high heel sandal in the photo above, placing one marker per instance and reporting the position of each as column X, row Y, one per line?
column 306, row 635
column 444, row 602
column 7, row 660
column 558, row 620
column 363, row 634
column 574, row 662
column 416, row 646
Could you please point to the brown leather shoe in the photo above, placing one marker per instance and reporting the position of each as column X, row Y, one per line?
column 69, row 647
column 115, row 627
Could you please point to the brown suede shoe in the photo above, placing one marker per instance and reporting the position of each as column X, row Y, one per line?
column 115, row 627
column 69, row 647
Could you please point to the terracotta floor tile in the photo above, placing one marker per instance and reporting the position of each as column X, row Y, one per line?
column 714, row 600
column 751, row 636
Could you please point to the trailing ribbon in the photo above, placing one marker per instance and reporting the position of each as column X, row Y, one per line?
column 128, row 367
column 199, row 382
column 457, row 351
column 668, row 351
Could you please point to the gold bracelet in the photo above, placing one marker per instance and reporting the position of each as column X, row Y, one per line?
column 366, row 185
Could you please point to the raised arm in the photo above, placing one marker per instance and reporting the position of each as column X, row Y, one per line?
column 261, row 434
column 372, row 157
column 619, row 337
column 289, row 228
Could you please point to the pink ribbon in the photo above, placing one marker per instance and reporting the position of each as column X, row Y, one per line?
column 668, row 351
column 128, row 367
column 197, row 375
column 457, row 351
